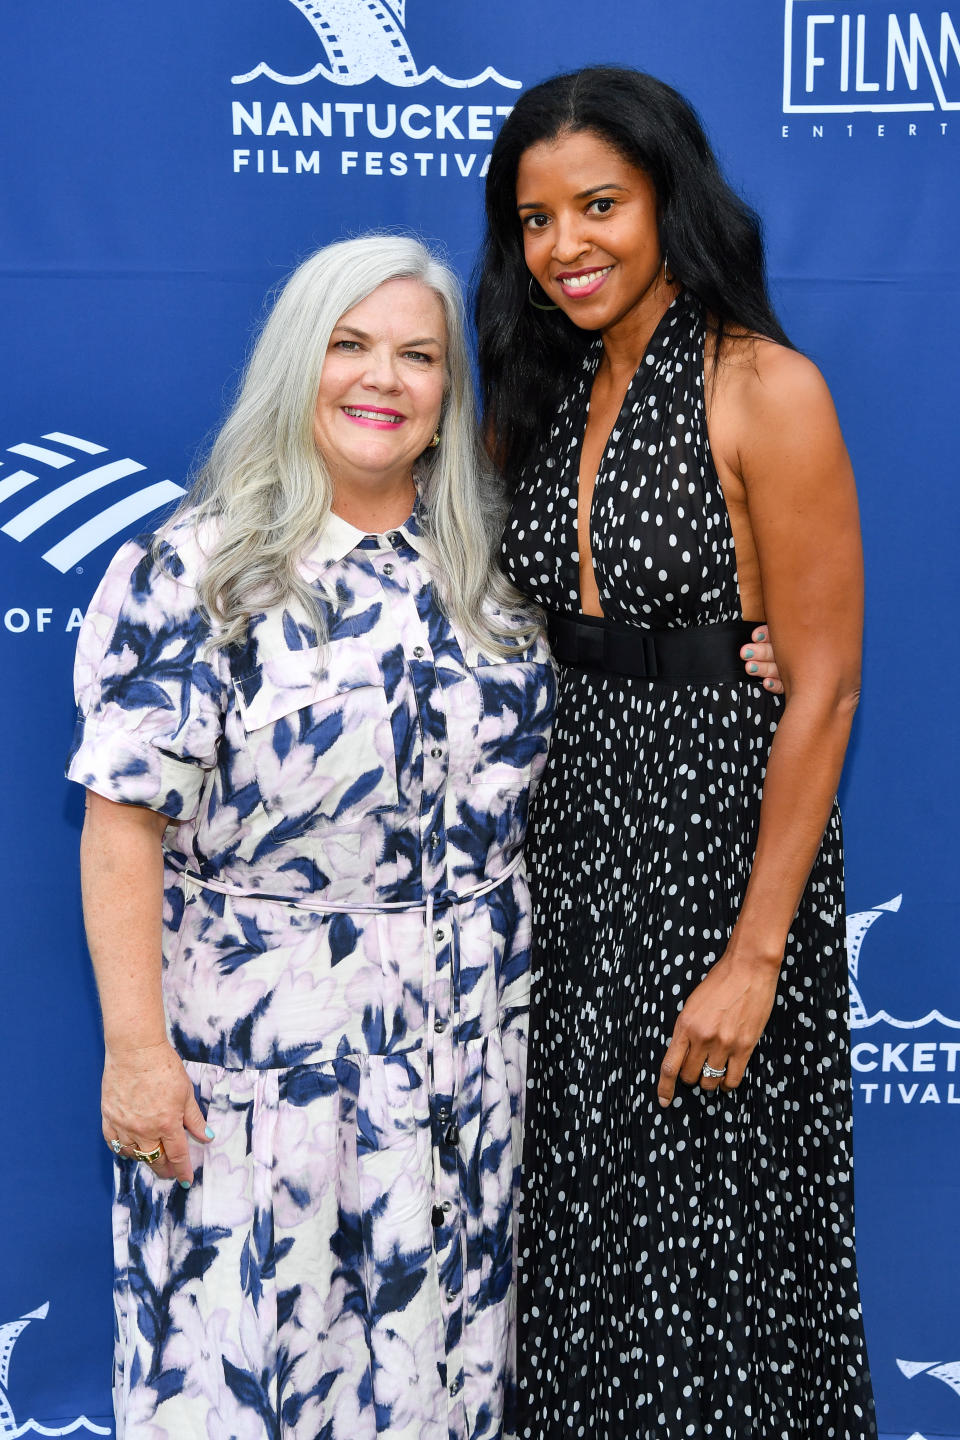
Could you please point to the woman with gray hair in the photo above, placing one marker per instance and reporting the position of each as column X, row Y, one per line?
column 311, row 713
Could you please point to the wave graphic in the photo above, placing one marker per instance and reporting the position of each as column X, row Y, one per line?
column 33, row 1427
column 267, row 71
column 933, row 1018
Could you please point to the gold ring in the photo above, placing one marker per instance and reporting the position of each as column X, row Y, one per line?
column 150, row 1157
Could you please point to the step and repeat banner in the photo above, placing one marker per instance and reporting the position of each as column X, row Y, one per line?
column 163, row 168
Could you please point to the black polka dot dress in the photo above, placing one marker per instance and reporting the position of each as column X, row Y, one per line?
column 690, row 1272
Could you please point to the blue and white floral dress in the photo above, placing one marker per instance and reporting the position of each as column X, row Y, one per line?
column 346, row 960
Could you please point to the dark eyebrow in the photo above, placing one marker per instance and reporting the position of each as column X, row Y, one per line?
column 581, row 195
column 362, row 335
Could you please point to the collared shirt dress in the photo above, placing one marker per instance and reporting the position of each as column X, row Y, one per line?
column 346, row 960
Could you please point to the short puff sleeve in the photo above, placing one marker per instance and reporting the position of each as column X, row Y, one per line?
column 150, row 695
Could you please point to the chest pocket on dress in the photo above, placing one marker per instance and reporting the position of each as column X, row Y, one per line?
column 515, row 702
column 320, row 741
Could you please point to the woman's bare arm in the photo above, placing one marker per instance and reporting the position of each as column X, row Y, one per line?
column 147, row 1095
column 803, row 517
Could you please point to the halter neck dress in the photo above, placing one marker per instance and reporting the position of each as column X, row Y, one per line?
column 684, row 1273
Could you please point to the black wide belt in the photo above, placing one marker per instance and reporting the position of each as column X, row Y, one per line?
column 702, row 652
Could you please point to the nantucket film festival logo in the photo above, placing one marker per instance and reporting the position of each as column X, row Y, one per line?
column 59, row 501
column 948, row 1372
column 891, row 1067
column 866, row 67
column 10, row 1427
column 308, row 128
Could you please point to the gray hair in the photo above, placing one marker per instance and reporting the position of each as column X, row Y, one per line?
column 268, row 490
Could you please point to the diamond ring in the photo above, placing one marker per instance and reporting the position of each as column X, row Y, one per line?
column 712, row 1074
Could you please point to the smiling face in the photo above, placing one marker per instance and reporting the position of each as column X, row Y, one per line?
column 590, row 234
column 381, row 387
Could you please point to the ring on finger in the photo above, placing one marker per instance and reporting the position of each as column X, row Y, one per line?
column 150, row 1157
column 710, row 1072
column 116, row 1146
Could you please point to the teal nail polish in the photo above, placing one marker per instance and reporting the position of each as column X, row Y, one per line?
column 753, row 669
column 184, row 1184
column 210, row 1134
column 762, row 635
column 748, row 653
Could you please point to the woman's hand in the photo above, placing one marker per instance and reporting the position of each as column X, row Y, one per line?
column 719, row 1025
column 760, row 662
column 147, row 1099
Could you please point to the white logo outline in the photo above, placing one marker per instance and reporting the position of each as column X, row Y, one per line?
column 858, row 923
column 10, row 1333
column 77, row 543
column 917, row 39
column 364, row 40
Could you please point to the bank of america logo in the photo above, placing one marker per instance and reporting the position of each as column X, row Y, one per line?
column 64, row 477
column 858, row 55
column 363, row 40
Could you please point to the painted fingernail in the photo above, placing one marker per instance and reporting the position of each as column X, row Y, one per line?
column 210, row 1134
column 748, row 654
column 184, row 1184
column 761, row 634
column 769, row 684
column 753, row 669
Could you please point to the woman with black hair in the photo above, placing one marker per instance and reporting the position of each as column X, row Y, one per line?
column 687, row 1251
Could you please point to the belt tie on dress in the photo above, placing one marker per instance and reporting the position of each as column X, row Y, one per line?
column 353, row 907
column 449, row 899
column 699, row 652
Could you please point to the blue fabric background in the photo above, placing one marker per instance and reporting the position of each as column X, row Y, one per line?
column 133, row 262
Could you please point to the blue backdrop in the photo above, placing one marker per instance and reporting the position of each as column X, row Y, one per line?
column 164, row 167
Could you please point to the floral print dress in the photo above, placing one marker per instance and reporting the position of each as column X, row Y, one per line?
column 346, row 956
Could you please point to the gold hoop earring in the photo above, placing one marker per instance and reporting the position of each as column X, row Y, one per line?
column 537, row 304
column 435, row 441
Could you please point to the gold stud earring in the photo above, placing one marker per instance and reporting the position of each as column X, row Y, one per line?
column 435, row 441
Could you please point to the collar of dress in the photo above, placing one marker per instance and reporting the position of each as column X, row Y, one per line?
column 340, row 538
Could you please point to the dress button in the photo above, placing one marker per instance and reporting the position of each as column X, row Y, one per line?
column 436, row 1217
column 434, row 841
column 388, row 568
column 394, row 538
column 436, row 752
column 418, row 651
column 456, row 1386
column 439, row 935
column 439, row 1026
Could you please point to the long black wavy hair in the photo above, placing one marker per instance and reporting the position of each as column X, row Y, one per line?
column 712, row 239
